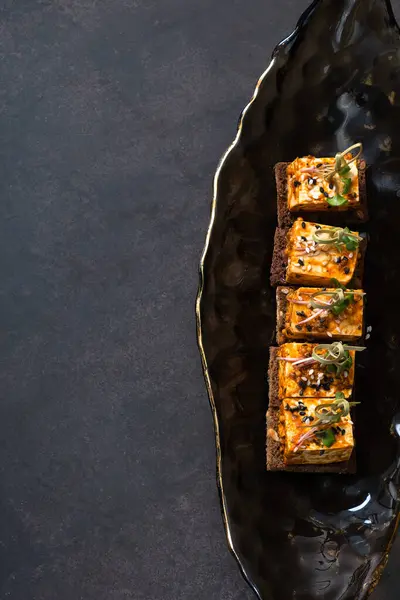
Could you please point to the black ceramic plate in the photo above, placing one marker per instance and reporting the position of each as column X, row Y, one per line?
column 334, row 81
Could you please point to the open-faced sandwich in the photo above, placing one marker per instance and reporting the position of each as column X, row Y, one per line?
column 325, row 185
column 312, row 254
column 299, row 370
column 319, row 313
column 311, row 434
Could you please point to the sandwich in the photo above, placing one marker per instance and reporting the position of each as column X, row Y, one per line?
column 311, row 254
column 328, row 185
column 311, row 434
column 298, row 370
column 319, row 314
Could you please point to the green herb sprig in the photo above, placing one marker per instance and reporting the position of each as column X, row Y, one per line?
column 337, row 236
column 328, row 415
column 339, row 175
column 336, row 356
column 339, row 301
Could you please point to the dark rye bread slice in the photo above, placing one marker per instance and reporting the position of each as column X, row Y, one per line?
column 281, row 309
column 330, row 216
column 279, row 262
column 273, row 378
column 275, row 457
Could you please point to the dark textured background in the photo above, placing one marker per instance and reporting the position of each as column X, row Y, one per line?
column 113, row 115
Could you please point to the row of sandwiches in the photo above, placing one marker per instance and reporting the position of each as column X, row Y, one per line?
column 317, row 269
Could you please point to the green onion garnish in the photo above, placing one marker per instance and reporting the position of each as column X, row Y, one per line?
column 327, row 414
column 332, row 412
column 339, row 301
column 337, row 236
column 339, row 175
column 336, row 356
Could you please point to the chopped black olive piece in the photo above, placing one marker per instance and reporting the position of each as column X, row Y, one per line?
column 301, row 262
column 303, row 225
column 346, row 270
column 296, row 183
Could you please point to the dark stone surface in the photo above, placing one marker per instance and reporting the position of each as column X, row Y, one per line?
column 113, row 115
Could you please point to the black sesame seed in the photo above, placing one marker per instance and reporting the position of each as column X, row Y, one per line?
column 347, row 270
column 296, row 183
column 302, row 413
column 303, row 225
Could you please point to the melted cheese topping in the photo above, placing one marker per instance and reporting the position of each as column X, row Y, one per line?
column 312, row 451
column 310, row 380
column 345, row 326
column 308, row 190
column 316, row 264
